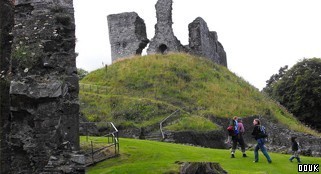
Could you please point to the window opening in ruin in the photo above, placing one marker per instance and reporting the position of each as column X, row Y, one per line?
column 141, row 47
column 144, row 51
column 162, row 48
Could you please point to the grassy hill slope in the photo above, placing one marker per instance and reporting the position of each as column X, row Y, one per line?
column 141, row 91
column 140, row 156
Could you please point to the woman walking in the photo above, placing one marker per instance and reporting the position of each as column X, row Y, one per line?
column 259, row 135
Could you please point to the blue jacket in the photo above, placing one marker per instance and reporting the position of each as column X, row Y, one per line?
column 236, row 128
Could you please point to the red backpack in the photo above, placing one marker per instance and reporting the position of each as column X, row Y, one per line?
column 230, row 130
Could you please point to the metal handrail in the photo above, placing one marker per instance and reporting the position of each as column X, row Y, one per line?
column 116, row 130
column 161, row 123
column 115, row 140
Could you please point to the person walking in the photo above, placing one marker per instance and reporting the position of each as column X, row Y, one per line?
column 295, row 150
column 240, row 138
column 234, row 135
column 259, row 134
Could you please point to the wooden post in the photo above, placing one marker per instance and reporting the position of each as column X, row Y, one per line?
column 92, row 152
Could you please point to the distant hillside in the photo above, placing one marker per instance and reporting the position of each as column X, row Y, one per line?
column 141, row 91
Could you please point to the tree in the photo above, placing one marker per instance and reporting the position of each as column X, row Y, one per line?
column 274, row 78
column 81, row 73
column 299, row 90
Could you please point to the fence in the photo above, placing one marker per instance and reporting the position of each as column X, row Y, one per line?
column 99, row 149
column 97, row 89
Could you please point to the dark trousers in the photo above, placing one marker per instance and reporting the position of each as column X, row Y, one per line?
column 238, row 139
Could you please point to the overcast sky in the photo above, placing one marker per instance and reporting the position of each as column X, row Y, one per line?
column 259, row 36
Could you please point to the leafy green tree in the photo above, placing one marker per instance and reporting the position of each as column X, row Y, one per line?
column 274, row 78
column 81, row 73
column 299, row 90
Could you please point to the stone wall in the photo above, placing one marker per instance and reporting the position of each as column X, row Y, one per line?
column 6, row 24
column 44, row 90
column 204, row 43
column 164, row 40
column 127, row 35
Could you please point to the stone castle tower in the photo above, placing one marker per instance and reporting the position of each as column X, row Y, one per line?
column 127, row 36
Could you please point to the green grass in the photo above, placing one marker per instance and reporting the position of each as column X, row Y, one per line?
column 142, row 90
column 192, row 122
column 141, row 156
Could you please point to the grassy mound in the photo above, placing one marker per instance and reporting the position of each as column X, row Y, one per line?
column 141, row 156
column 141, row 91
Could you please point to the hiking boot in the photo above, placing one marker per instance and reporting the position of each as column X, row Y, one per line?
column 244, row 155
column 269, row 162
column 232, row 155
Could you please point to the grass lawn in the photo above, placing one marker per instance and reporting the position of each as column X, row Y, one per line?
column 141, row 156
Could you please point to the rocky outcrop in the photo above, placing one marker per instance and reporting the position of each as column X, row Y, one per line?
column 127, row 35
column 204, row 43
column 44, row 90
column 201, row 168
column 6, row 24
column 164, row 40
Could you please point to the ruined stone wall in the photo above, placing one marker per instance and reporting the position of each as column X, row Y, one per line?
column 6, row 24
column 204, row 43
column 127, row 35
column 164, row 40
column 221, row 52
column 201, row 41
column 44, row 91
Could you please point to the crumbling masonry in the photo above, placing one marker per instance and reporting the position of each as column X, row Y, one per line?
column 127, row 35
column 41, row 134
column 164, row 39
column 202, row 41
column 6, row 24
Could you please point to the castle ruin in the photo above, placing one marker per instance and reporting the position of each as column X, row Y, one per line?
column 164, row 40
column 40, row 135
column 202, row 41
column 127, row 35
